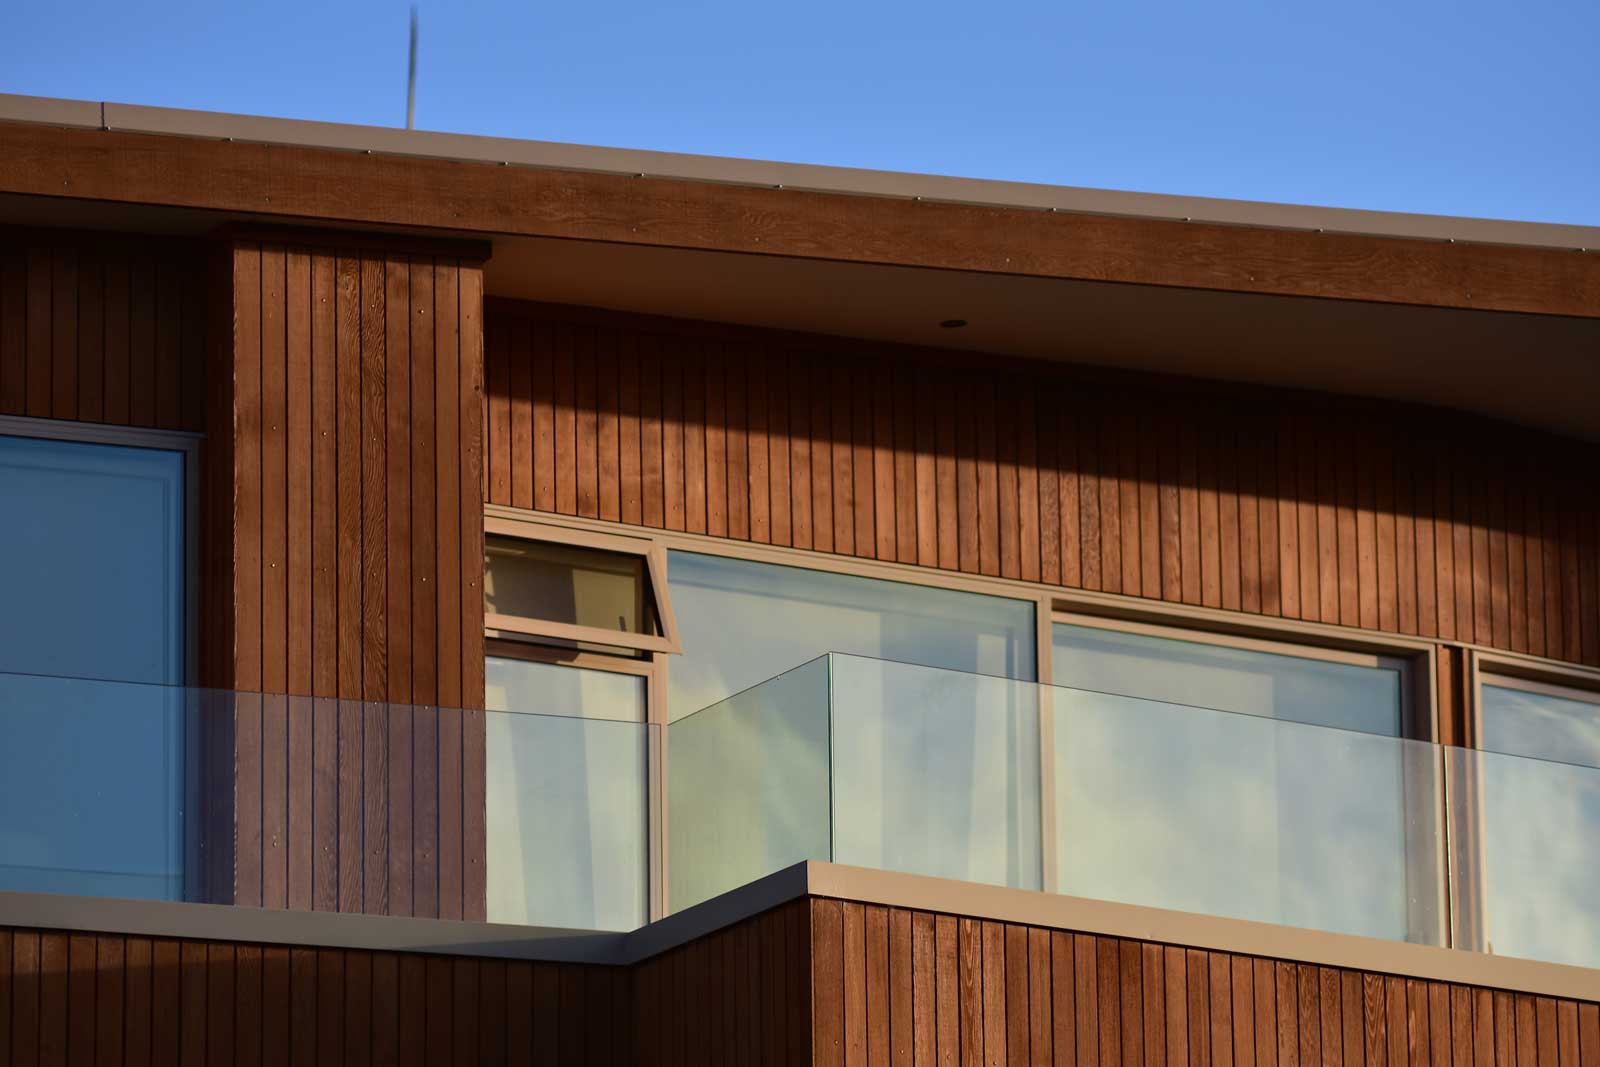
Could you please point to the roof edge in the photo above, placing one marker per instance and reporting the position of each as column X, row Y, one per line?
column 551, row 155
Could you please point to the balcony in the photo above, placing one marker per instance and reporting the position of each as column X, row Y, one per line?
column 150, row 792
column 926, row 771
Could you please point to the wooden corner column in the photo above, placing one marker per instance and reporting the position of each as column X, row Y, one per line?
column 344, row 575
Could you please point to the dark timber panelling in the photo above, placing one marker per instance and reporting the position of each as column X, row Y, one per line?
column 740, row 995
column 973, row 992
column 100, row 328
column 137, row 1001
column 1297, row 505
column 344, row 580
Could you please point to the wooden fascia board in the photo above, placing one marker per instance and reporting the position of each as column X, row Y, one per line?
column 349, row 187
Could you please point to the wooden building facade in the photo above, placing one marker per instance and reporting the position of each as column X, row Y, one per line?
column 331, row 326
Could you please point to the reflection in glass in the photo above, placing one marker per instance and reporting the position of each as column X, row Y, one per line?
column 566, row 584
column 566, row 818
column 936, row 772
column 1521, row 722
column 1181, row 807
column 91, row 586
column 743, row 622
column 556, row 689
column 1249, row 681
column 91, row 787
column 747, row 786
column 1539, row 820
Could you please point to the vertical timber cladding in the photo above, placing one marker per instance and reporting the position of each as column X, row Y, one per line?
column 68, row 997
column 345, row 576
column 101, row 328
column 1298, row 505
column 893, row 986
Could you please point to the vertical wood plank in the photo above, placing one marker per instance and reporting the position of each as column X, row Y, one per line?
column 884, row 461
column 802, row 467
column 1175, row 973
column 855, row 985
column 948, row 990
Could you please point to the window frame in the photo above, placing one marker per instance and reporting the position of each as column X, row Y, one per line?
column 189, row 445
column 1416, row 723
column 1429, row 911
column 1465, row 790
column 655, row 586
column 1187, row 621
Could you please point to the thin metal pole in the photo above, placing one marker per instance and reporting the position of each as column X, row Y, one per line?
column 411, row 75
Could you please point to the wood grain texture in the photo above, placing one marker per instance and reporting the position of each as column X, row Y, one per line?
column 1297, row 505
column 103, row 328
column 379, row 189
column 355, row 571
column 1003, row 993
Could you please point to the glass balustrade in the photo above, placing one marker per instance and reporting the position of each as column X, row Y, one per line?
column 928, row 771
column 119, row 789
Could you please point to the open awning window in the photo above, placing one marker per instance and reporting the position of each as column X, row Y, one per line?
column 549, row 583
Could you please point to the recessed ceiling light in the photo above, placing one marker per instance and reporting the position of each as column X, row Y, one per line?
column 953, row 324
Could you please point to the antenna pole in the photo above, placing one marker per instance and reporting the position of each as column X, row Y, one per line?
column 411, row 75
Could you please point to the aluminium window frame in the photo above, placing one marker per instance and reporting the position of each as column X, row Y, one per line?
column 655, row 587
column 1466, row 795
column 651, row 670
column 196, row 705
column 1191, row 622
column 1429, row 915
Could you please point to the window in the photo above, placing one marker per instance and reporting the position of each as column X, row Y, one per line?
column 1244, row 778
column 581, row 590
column 579, row 625
column 744, row 622
column 567, row 809
column 1525, row 813
column 92, row 569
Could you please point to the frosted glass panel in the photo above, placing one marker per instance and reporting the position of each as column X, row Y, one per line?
column 1541, row 725
column 566, row 819
column 747, row 784
column 1226, row 814
column 1252, row 682
column 556, row 689
column 743, row 622
column 936, row 772
column 91, row 569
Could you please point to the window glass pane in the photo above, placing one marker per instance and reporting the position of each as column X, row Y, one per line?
column 567, row 584
column 1191, row 776
column 91, row 586
column 1540, row 818
column 1542, row 725
column 743, row 622
column 556, row 689
column 565, row 798
column 1249, row 681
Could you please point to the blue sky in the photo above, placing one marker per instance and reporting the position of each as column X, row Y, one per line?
column 1465, row 108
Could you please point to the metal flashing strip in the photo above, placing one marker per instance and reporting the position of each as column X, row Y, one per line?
column 326, row 929
column 805, row 177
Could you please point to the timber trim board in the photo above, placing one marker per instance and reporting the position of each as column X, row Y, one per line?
column 809, row 879
column 105, row 115
column 374, row 188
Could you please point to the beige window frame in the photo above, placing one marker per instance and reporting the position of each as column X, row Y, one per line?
column 1417, row 721
column 1429, row 919
column 655, row 587
column 1414, row 655
column 1530, row 674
